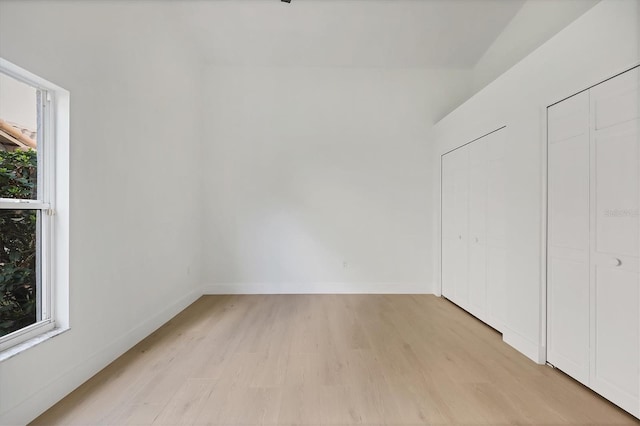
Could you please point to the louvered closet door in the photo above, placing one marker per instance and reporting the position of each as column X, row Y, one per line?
column 615, row 279
column 568, row 234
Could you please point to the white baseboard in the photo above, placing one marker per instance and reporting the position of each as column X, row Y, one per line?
column 65, row 383
column 522, row 344
column 318, row 288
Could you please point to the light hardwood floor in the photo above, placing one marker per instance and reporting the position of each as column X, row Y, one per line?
column 329, row 360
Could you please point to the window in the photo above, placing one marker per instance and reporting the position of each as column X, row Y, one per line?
column 29, row 228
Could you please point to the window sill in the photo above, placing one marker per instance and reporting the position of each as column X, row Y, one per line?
column 15, row 350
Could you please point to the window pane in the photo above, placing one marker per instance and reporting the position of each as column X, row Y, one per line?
column 18, row 274
column 18, row 174
column 19, row 120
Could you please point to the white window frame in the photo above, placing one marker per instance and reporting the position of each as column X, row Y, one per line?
column 53, row 204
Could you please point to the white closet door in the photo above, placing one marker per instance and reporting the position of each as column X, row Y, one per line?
column 455, row 200
column 615, row 279
column 473, row 228
column 461, row 205
column 568, row 233
column 495, row 238
column 477, row 227
column 449, row 231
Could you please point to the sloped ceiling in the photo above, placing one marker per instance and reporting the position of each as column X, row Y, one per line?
column 346, row 33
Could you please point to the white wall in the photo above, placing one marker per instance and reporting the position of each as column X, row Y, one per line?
column 318, row 179
column 135, row 239
column 602, row 42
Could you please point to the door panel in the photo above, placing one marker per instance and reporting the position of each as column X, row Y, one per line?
column 496, row 235
column 616, row 101
column 567, row 119
column 454, row 224
column 477, row 227
column 496, row 182
column 569, row 194
column 473, row 228
column 568, row 237
column 449, row 264
column 616, row 191
column 615, row 235
column 496, row 287
column 616, row 336
column 568, row 347
column 461, row 203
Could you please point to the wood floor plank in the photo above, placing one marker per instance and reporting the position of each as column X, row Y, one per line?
column 329, row 360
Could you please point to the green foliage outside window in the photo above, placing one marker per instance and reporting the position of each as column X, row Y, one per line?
column 18, row 171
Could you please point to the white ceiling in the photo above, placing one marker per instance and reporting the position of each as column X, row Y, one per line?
column 535, row 23
column 346, row 33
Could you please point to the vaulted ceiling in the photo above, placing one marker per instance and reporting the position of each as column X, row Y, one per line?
column 347, row 33
column 372, row 33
